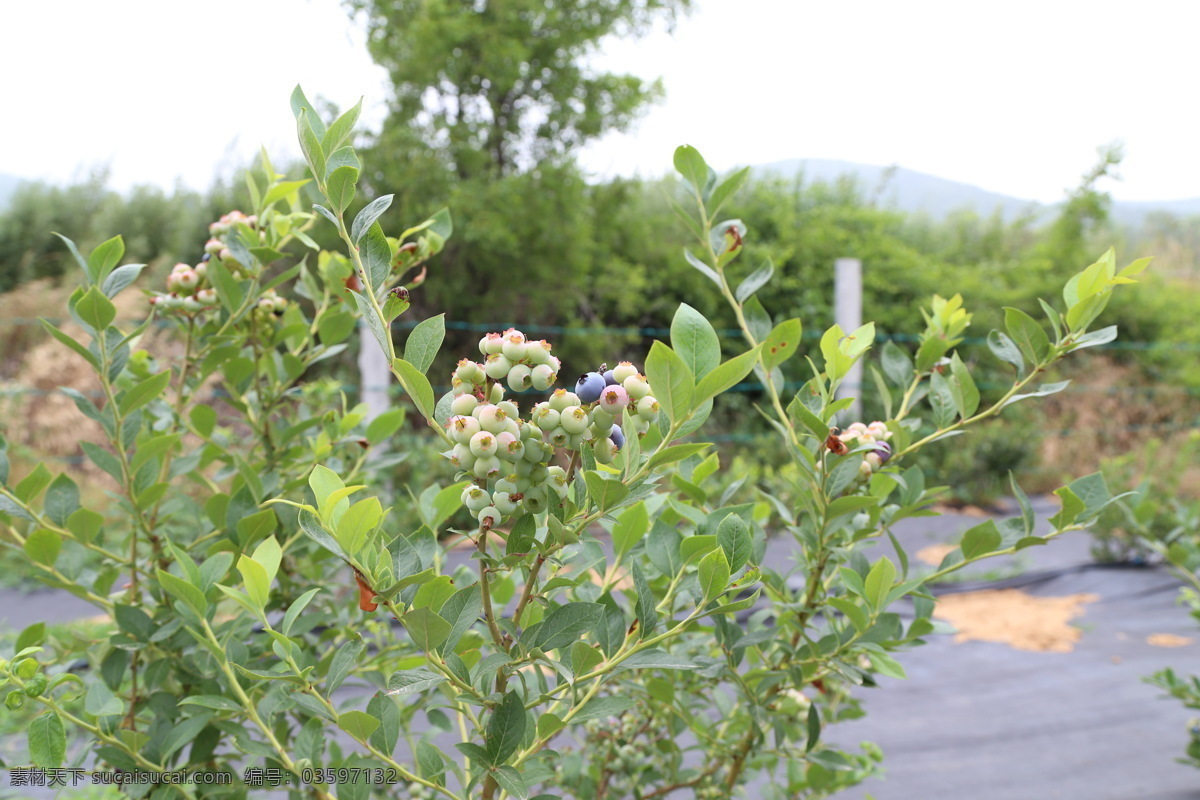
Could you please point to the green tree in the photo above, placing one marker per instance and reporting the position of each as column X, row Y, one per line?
column 496, row 86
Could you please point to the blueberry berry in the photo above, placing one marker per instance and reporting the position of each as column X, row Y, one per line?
column 589, row 387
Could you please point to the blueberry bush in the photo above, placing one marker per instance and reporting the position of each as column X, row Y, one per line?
column 582, row 608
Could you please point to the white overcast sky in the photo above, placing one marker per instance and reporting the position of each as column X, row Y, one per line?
column 1011, row 96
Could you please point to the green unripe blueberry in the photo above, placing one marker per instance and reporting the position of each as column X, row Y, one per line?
column 605, row 451
column 576, row 441
column 462, row 428
column 537, row 352
column 491, row 344
column 497, row 394
column 535, row 500
column 523, row 467
column 603, row 420
column 463, row 405
column 509, row 408
column 559, row 437
column 497, row 366
column 513, row 345
column 36, row 685
column 14, row 701
column 539, row 474
column 545, row 417
column 562, row 399
column 483, row 444
column 26, row 668
column 637, row 386
column 507, row 484
column 624, row 370
column 573, row 420
column 543, row 377
column 536, row 451
column 486, row 467
column 491, row 418
column 475, row 498
column 467, row 371
column 520, row 378
column 489, row 516
column 647, row 408
column 504, row 503
column 524, row 485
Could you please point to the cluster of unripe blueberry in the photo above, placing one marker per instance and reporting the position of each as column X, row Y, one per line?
column 876, row 435
column 509, row 457
column 189, row 289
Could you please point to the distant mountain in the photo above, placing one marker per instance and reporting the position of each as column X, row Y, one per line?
column 8, row 185
column 911, row 191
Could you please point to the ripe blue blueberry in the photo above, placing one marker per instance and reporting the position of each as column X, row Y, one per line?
column 609, row 378
column 589, row 387
column 618, row 436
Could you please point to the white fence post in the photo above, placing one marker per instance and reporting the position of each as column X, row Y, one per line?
column 847, row 289
column 375, row 374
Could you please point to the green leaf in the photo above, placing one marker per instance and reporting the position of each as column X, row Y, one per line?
column 366, row 218
column 714, row 574
column 1028, row 335
column 300, row 104
column 255, row 579
column 378, row 328
column 296, row 608
column 95, row 309
column 726, row 376
column 78, row 348
column 941, row 400
column 693, row 338
column 980, row 540
column 726, row 189
column 677, row 452
column 229, row 291
column 339, row 132
column 1004, row 349
column 656, row 659
column 47, row 741
column 385, row 425
column 340, row 187
column 966, row 394
column 506, row 728
column 101, row 702
column 510, row 780
column 754, row 281
column 120, row 278
column 281, row 190
column 344, row 661
column 646, row 606
column 671, row 381
column 602, row 707
column 42, row 546
column 690, row 164
column 144, row 392
column 781, row 343
column 567, row 624
column 1041, row 391
column 897, row 366
column 310, row 142
column 416, row 385
column 734, row 538
column 376, row 257
column 424, row 342
column 606, row 490
column 214, row 701
column 813, row 724
column 62, row 499
column 434, row 593
column 631, row 526
column 106, row 256
column 700, row 266
column 324, row 482
column 358, row 724
column 311, row 525
column 427, row 629
column 521, row 537
column 878, row 584
column 179, row 588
